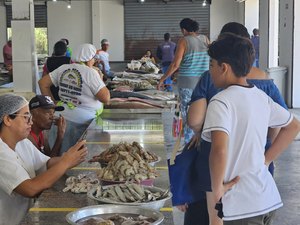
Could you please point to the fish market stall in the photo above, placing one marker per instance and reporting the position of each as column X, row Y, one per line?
column 138, row 91
column 144, row 133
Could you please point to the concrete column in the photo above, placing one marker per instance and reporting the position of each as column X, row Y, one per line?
column 264, row 34
column 268, row 29
column 23, row 45
column 96, row 23
column 286, row 42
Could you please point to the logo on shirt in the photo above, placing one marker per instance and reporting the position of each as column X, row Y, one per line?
column 70, row 86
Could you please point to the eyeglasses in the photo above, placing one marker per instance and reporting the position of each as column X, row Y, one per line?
column 27, row 117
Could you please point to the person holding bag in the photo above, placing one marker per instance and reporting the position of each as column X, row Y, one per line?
column 202, row 93
column 191, row 60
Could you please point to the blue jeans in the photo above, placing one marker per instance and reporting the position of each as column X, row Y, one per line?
column 185, row 97
column 168, row 81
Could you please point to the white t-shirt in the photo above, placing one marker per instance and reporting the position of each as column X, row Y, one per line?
column 245, row 115
column 103, row 56
column 78, row 84
column 16, row 167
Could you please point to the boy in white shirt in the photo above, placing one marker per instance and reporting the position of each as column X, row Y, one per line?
column 236, row 124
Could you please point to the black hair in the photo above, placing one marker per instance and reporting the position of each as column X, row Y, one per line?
column 60, row 48
column 255, row 31
column 150, row 52
column 235, row 28
column 12, row 116
column 189, row 25
column 167, row 36
column 234, row 50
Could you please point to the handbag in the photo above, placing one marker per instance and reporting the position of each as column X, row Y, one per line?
column 182, row 174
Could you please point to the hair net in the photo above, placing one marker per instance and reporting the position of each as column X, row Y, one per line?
column 84, row 53
column 10, row 103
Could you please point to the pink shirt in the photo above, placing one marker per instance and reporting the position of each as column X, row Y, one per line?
column 7, row 54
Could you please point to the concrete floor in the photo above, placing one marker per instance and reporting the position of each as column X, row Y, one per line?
column 53, row 205
column 287, row 177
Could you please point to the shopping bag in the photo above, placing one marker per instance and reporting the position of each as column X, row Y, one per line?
column 177, row 125
column 177, row 122
column 183, row 182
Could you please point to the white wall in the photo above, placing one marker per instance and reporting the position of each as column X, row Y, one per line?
column 222, row 12
column 112, row 27
column 251, row 15
column 3, row 34
column 73, row 24
column 84, row 24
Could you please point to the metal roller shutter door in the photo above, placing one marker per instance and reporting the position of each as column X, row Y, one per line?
column 146, row 23
column 40, row 15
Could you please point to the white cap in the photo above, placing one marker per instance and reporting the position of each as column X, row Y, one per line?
column 84, row 53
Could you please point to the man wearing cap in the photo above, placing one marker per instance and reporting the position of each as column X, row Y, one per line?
column 102, row 57
column 24, row 171
column 42, row 109
column 81, row 90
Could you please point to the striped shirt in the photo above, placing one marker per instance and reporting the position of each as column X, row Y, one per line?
column 195, row 61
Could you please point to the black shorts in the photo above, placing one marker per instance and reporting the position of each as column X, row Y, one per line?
column 197, row 214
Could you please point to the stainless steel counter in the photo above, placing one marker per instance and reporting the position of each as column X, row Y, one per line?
column 147, row 129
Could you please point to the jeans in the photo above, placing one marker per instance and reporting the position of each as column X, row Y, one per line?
column 185, row 97
column 168, row 81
